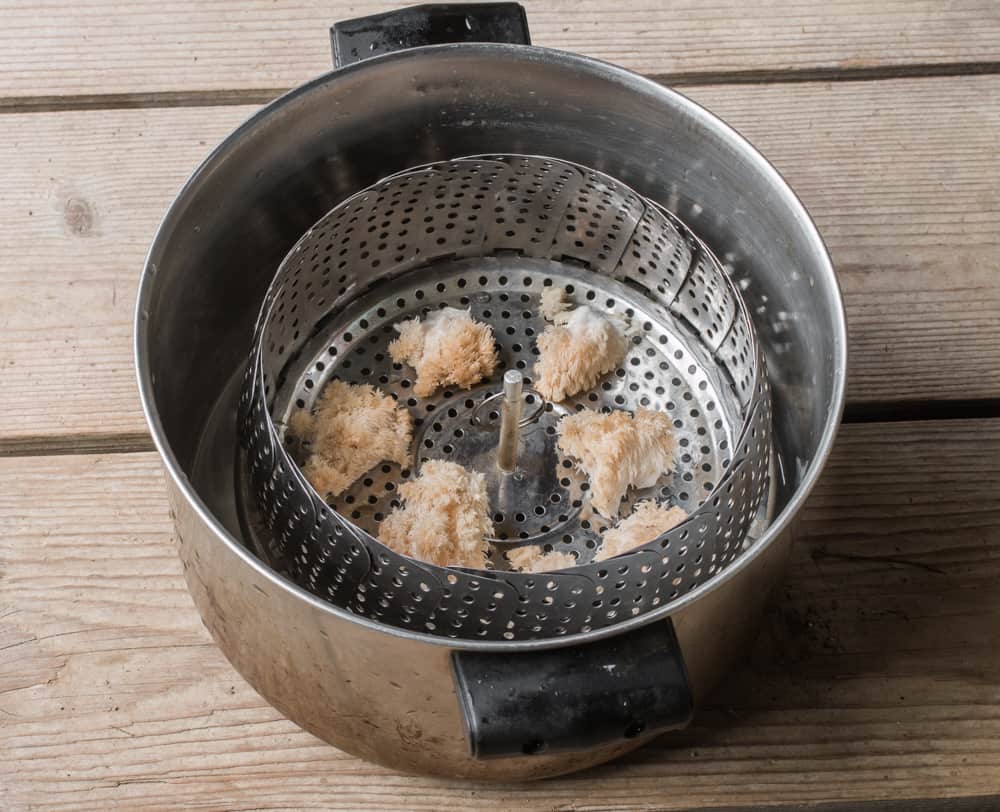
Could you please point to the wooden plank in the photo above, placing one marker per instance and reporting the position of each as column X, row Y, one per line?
column 874, row 677
column 84, row 193
column 105, row 47
column 901, row 176
column 902, row 180
column 972, row 803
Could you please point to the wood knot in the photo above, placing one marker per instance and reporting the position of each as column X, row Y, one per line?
column 80, row 215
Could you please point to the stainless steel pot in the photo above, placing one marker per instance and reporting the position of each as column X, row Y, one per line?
column 409, row 700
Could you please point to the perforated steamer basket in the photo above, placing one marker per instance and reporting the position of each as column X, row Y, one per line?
column 489, row 234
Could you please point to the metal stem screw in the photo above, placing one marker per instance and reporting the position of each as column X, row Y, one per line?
column 510, row 420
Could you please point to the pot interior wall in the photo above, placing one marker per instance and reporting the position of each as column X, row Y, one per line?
column 224, row 239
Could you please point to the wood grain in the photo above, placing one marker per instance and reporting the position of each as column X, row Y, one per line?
column 876, row 675
column 902, row 180
column 55, row 48
column 900, row 175
column 972, row 803
column 84, row 195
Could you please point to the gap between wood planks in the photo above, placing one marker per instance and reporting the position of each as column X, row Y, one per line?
column 216, row 98
column 50, row 446
column 138, row 442
column 910, row 410
column 974, row 803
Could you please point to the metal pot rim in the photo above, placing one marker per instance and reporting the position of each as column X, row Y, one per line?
column 530, row 54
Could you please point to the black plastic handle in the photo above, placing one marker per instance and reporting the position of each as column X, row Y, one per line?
column 573, row 698
column 435, row 24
